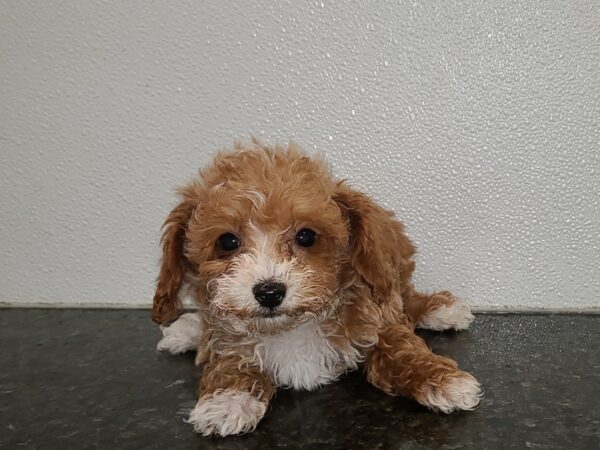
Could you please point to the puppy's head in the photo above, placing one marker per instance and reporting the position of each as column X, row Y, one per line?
column 269, row 238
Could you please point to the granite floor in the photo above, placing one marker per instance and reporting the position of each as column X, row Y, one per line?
column 78, row 379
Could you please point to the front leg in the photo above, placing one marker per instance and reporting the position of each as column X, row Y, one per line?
column 402, row 364
column 234, row 397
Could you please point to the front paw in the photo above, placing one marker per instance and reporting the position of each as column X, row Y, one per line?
column 453, row 392
column 227, row 412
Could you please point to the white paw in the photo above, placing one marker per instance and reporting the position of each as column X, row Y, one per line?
column 227, row 412
column 182, row 335
column 455, row 316
column 455, row 393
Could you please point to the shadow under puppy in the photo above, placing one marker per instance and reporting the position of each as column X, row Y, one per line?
column 298, row 279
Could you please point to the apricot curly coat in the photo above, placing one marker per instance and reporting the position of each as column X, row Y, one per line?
column 350, row 298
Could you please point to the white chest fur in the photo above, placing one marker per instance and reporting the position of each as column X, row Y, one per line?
column 302, row 358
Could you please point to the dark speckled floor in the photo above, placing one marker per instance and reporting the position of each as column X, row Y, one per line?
column 92, row 379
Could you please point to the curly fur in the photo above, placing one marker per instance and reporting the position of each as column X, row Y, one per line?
column 349, row 300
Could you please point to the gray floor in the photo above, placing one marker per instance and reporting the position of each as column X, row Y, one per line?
column 92, row 379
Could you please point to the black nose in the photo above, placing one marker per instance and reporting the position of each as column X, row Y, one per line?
column 269, row 294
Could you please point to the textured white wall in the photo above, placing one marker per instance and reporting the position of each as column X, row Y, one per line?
column 477, row 121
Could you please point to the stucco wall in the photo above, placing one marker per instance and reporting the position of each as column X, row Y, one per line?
column 478, row 122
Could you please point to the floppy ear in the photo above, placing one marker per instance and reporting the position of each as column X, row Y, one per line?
column 166, row 305
column 380, row 252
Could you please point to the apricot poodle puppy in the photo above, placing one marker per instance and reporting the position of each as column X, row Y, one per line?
column 298, row 279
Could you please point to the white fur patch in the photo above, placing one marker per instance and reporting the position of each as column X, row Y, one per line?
column 455, row 316
column 455, row 394
column 181, row 336
column 227, row 412
column 302, row 358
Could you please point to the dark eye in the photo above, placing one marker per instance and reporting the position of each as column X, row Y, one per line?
column 229, row 242
column 305, row 237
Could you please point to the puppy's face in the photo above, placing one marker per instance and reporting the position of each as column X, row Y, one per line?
column 266, row 241
column 267, row 237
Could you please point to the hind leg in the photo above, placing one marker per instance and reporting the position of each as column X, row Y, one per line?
column 440, row 311
column 183, row 335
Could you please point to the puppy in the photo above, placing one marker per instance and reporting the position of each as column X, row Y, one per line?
column 298, row 278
